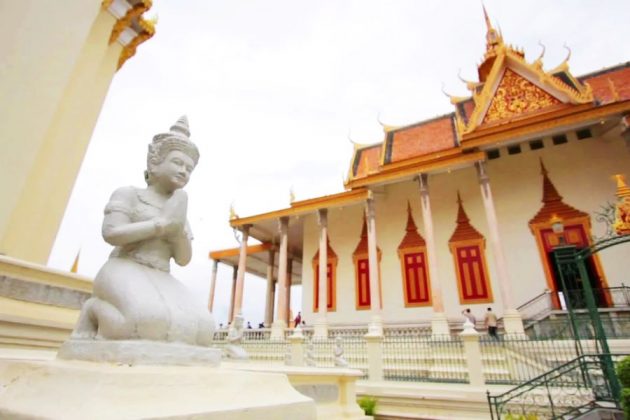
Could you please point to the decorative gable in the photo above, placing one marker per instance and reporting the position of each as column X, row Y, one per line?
column 509, row 87
column 516, row 96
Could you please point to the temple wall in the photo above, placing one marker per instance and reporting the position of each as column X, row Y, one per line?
column 56, row 69
column 581, row 170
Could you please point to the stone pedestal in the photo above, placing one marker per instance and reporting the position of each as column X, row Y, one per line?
column 277, row 329
column 320, row 330
column 138, row 352
column 375, row 356
column 513, row 322
column 85, row 390
column 297, row 348
column 472, row 350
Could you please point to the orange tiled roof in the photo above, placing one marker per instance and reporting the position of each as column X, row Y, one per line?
column 412, row 238
column 366, row 160
column 464, row 230
column 553, row 204
column 420, row 139
column 330, row 253
column 439, row 134
column 609, row 85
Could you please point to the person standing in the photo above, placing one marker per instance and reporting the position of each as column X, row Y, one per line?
column 490, row 322
column 469, row 316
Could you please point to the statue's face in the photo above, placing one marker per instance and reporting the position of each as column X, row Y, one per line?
column 174, row 171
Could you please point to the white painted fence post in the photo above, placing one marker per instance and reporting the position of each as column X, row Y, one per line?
column 375, row 356
column 296, row 341
column 472, row 350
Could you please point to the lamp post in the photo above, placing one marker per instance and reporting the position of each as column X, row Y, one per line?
column 570, row 261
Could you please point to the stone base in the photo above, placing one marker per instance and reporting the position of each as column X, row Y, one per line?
column 320, row 329
column 84, row 390
column 513, row 322
column 277, row 330
column 138, row 352
column 439, row 324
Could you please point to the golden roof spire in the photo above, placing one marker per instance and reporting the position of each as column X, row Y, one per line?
column 553, row 206
column 412, row 238
column 493, row 38
column 464, row 230
column 485, row 15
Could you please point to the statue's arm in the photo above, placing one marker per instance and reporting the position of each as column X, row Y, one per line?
column 117, row 226
column 181, row 246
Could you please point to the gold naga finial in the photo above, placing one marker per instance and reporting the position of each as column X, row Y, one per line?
column 386, row 127
column 291, row 195
column 233, row 214
column 471, row 86
column 454, row 99
column 538, row 62
column 613, row 90
column 564, row 66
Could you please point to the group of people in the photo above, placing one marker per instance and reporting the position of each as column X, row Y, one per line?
column 489, row 321
column 297, row 321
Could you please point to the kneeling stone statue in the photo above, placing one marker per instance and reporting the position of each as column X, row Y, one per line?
column 138, row 311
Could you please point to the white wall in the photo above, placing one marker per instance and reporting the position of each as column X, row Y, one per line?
column 582, row 172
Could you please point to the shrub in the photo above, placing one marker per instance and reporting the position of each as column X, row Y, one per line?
column 368, row 404
column 623, row 373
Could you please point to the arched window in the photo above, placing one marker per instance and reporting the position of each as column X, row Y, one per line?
column 468, row 248
column 414, row 266
column 362, row 271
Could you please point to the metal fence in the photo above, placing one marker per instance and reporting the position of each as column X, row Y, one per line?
column 513, row 360
column 413, row 354
column 571, row 389
column 615, row 324
column 542, row 305
column 410, row 355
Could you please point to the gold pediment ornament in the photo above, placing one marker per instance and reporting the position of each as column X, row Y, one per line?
column 622, row 210
column 510, row 86
column 515, row 96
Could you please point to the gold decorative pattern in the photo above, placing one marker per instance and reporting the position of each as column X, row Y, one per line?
column 148, row 30
column 622, row 212
column 124, row 22
column 516, row 96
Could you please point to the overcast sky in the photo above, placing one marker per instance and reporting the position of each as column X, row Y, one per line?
column 273, row 89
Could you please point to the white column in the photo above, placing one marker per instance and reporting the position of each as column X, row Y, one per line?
column 280, row 323
column 287, row 302
column 439, row 322
column 376, row 325
column 512, row 321
column 213, row 284
column 240, row 277
column 270, row 290
column 232, row 295
column 321, row 324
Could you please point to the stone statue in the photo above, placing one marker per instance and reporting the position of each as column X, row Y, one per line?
column 233, row 349
column 340, row 361
column 135, row 297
